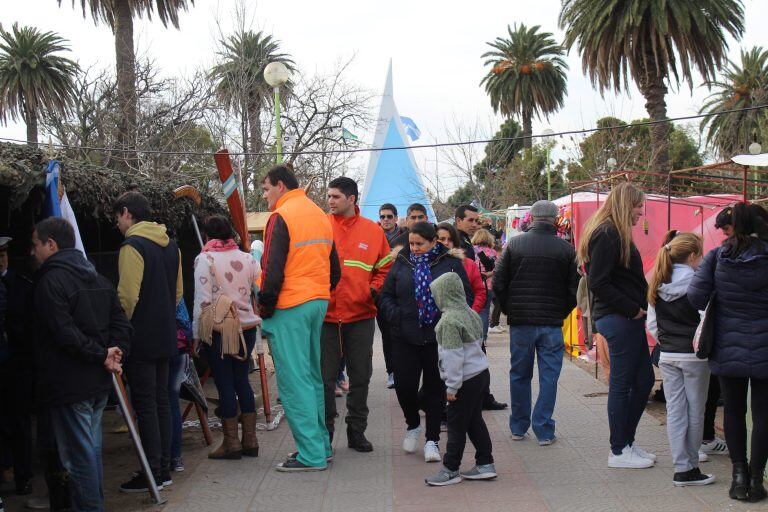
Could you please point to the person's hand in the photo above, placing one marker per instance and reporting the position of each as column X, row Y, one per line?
column 640, row 314
column 195, row 346
column 113, row 360
column 450, row 397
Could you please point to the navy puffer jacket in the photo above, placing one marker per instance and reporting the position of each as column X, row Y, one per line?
column 397, row 300
column 741, row 309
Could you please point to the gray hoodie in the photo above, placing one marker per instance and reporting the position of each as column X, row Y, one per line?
column 459, row 333
column 682, row 275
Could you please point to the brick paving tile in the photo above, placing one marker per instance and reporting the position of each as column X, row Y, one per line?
column 570, row 475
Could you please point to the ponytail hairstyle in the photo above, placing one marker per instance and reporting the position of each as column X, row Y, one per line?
column 676, row 248
column 616, row 211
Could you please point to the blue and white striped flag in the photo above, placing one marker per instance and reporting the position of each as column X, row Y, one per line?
column 59, row 208
column 410, row 128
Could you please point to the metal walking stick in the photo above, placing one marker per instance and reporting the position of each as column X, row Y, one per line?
column 117, row 383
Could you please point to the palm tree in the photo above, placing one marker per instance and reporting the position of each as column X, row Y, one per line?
column 119, row 14
column 240, row 84
column 33, row 77
column 654, row 43
column 741, row 86
column 527, row 76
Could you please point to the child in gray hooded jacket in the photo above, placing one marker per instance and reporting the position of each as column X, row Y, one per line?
column 464, row 368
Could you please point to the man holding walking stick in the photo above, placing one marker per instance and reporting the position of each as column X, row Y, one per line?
column 83, row 334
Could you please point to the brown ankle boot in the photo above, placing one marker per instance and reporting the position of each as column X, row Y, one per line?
column 230, row 447
column 250, row 442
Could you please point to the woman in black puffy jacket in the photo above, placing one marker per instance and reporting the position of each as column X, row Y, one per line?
column 406, row 302
column 737, row 274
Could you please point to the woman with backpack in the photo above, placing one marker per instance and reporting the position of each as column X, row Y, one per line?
column 735, row 277
column 224, row 281
column 673, row 322
column 617, row 282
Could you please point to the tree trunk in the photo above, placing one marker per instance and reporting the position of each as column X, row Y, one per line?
column 654, row 92
column 125, row 58
column 527, row 130
column 30, row 118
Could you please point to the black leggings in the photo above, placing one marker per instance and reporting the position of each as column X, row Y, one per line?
column 411, row 362
column 495, row 311
column 710, row 409
column 735, row 424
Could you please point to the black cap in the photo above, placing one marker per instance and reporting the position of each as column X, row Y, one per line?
column 724, row 218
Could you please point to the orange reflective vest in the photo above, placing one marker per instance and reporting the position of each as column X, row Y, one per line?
column 307, row 267
column 365, row 260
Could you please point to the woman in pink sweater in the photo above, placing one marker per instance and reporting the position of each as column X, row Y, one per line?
column 222, row 268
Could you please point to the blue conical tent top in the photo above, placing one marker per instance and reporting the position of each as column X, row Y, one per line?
column 393, row 176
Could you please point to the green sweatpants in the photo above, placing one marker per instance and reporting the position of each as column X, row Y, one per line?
column 294, row 338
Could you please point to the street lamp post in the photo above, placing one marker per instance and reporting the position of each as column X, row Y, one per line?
column 548, row 141
column 276, row 74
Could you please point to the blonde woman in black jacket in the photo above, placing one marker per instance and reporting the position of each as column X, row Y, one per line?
column 617, row 282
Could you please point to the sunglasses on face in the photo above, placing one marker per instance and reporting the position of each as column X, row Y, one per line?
column 384, row 216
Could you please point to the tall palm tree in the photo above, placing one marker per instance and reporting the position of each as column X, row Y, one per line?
column 527, row 76
column 741, row 86
column 240, row 84
column 33, row 76
column 119, row 14
column 655, row 43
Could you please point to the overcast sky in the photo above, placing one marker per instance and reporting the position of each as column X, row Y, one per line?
column 435, row 48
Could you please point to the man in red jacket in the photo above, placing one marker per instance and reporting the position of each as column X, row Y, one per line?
column 350, row 321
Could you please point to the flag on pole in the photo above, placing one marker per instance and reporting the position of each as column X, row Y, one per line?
column 348, row 135
column 57, row 203
column 410, row 128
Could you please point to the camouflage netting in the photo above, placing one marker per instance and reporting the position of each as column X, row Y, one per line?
column 92, row 189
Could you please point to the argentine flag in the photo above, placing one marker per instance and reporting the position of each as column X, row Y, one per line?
column 55, row 207
column 410, row 128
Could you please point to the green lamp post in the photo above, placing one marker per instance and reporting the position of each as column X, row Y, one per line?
column 276, row 74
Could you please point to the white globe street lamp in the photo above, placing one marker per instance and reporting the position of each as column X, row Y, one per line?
column 612, row 163
column 276, row 74
column 755, row 148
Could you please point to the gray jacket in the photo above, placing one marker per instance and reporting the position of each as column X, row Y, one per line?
column 459, row 333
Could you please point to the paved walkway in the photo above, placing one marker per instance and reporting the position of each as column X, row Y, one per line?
column 570, row 475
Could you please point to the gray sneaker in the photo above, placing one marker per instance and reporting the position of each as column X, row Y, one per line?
column 444, row 477
column 484, row 472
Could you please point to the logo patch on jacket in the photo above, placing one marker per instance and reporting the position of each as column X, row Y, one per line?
column 362, row 246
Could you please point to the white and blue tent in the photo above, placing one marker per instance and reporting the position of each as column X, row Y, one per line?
column 393, row 176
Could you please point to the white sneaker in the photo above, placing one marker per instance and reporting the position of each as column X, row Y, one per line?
column 497, row 330
column 715, row 447
column 644, row 454
column 628, row 459
column 411, row 440
column 703, row 457
column 390, row 380
column 432, row 452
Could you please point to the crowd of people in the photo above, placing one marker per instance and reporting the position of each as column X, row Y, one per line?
column 321, row 284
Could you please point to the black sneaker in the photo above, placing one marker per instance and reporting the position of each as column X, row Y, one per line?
column 293, row 455
column 294, row 466
column 139, row 484
column 692, row 477
column 24, row 487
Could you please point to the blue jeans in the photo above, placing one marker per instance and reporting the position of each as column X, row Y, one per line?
column 77, row 428
column 231, row 376
column 546, row 343
column 175, row 378
column 631, row 377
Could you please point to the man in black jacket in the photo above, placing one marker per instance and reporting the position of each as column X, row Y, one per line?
column 82, row 335
column 536, row 282
column 467, row 222
column 417, row 212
